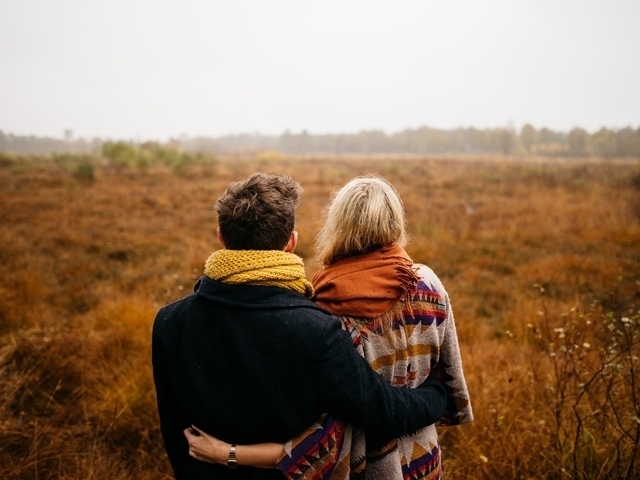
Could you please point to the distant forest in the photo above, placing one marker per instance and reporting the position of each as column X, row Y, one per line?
column 604, row 143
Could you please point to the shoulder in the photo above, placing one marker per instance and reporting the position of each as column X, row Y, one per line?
column 171, row 317
column 175, row 307
column 430, row 295
column 312, row 324
column 429, row 280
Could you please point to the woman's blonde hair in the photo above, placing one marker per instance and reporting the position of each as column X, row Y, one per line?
column 364, row 215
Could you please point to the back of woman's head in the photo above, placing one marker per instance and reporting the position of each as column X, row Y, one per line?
column 364, row 215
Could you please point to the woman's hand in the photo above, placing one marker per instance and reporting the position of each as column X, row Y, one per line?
column 205, row 447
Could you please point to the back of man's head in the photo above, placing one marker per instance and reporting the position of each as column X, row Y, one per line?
column 259, row 212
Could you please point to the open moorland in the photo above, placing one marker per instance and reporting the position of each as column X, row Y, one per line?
column 541, row 259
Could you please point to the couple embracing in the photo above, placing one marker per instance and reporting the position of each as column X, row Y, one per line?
column 261, row 374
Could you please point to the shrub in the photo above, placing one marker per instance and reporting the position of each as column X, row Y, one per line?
column 121, row 155
column 6, row 160
column 589, row 382
column 143, row 161
column 85, row 171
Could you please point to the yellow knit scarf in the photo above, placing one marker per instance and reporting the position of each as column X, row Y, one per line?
column 259, row 267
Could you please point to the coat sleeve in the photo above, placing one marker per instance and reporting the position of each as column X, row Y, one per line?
column 351, row 390
column 171, row 422
column 449, row 371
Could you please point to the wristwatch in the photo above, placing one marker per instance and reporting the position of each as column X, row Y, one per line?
column 232, row 462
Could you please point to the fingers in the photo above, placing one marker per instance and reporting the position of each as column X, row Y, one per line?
column 191, row 438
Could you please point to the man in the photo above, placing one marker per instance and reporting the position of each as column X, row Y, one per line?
column 250, row 341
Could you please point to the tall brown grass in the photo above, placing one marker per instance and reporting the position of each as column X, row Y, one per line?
column 541, row 260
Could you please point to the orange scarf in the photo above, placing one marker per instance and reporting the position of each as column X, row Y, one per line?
column 366, row 286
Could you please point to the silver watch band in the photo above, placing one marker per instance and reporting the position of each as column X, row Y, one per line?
column 232, row 461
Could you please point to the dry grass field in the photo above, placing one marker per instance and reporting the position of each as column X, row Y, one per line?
column 541, row 260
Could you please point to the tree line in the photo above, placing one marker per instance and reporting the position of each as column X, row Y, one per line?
column 605, row 143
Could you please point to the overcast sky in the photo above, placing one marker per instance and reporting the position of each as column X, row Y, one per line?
column 155, row 69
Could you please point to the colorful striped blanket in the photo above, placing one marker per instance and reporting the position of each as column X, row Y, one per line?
column 423, row 337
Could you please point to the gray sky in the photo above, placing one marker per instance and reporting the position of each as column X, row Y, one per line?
column 154, row 69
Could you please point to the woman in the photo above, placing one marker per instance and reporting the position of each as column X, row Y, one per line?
column 400, row 319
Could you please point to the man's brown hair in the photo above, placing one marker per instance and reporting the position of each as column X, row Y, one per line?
column 259, row 212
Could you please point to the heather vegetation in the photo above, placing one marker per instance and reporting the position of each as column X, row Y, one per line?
column 540, row 257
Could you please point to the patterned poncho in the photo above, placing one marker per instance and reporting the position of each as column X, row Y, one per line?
column 422, row 338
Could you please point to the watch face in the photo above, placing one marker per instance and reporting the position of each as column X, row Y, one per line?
column 232, row 463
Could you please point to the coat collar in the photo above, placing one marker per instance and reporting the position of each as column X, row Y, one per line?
column 252, row 296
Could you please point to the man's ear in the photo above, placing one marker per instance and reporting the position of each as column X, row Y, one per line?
column 220, row 239
column 292, row 243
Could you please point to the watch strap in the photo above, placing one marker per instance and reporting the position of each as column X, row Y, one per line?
column 232, row 461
